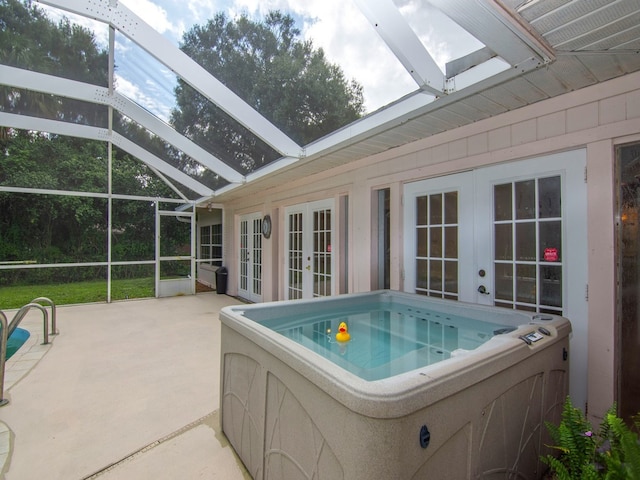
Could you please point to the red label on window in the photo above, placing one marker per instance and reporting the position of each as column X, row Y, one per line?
column 329, row 248
column 550, row 254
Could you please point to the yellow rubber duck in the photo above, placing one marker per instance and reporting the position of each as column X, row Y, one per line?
column 343, row 334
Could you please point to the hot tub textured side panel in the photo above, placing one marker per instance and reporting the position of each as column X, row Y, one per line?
column 295, row 448
column 243, row 407
column 509, row 430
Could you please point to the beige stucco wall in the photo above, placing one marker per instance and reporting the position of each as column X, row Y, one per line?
column 596, row 118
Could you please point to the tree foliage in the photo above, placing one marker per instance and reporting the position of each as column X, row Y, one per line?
column 283, row 77
column 46, row 228
column 30, row 40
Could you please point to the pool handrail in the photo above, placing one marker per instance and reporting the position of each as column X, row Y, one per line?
column 17, row 318
column 53, row 330
column 9, row 327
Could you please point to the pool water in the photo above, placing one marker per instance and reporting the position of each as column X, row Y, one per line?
column 386, row 340
column 16, row 340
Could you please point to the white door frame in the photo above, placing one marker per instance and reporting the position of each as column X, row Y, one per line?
column 250, row 257
column 312, row 269
column 463, row 184
column 570, row 166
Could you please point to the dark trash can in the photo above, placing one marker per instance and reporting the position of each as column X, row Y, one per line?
column 221, row 280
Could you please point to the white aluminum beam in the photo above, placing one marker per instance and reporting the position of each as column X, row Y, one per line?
column 498, row 29
column 159, row 164
column 72, row 193
column 40, row 82
column 171, row 136
column 136, row 29
column 170, row 184
column 404, row 43
column 94, row 133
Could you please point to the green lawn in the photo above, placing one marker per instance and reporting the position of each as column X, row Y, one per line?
column 80, row 292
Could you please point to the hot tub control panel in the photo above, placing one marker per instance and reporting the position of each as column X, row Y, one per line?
column 531, row 338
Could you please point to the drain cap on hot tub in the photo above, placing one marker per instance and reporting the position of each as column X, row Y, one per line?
column 425, row 436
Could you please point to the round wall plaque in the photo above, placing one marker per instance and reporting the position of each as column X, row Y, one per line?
column 266, row 226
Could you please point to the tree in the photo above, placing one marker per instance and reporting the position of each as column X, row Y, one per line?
column 30, row 40
column 284, row 78
column 56, row 228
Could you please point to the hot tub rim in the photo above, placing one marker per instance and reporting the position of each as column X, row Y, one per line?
column 399, row 394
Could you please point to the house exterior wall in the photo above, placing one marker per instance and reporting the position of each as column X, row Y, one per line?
column 596, row 118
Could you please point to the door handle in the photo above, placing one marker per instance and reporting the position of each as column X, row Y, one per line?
column 483, row 290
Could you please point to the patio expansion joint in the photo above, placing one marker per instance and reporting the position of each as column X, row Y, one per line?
column 5, row 448
column 206, row 420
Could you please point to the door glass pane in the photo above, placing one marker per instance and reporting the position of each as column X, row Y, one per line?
column 435, row 242
column 526, row 241
column 435, row 275
column 451, row 242
column 421, row 239
column 504, row 281
column 526, row 283
column 421, row 211
column 550, row 241
column 549, row 197
column 451, row 207
column 551, row 285
column 525, row 199
column 421, row 274
column 502, row 202
column 435, row 209
column 503, row 241
column 451, row 277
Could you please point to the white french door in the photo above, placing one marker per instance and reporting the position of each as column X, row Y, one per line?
column 512, row 235
column 310, row 251
column 439, row 213
column 250, row 257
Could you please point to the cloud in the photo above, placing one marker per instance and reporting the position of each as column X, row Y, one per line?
column 150, row 96
column 348, row 39
column 200, row 11
column 157, row 16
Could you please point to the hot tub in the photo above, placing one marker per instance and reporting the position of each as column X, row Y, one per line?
column 447, row 390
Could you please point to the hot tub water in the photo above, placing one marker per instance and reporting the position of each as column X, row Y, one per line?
column 385, row 340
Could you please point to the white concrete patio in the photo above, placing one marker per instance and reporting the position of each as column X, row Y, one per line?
column 127, row 390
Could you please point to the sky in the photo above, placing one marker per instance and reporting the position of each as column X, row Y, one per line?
column 337, row 26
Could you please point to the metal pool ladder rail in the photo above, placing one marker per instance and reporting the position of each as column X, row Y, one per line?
column 9, row 327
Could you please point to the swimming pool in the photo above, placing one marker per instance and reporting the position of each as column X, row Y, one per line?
column 16, row 340
column 424, row 388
